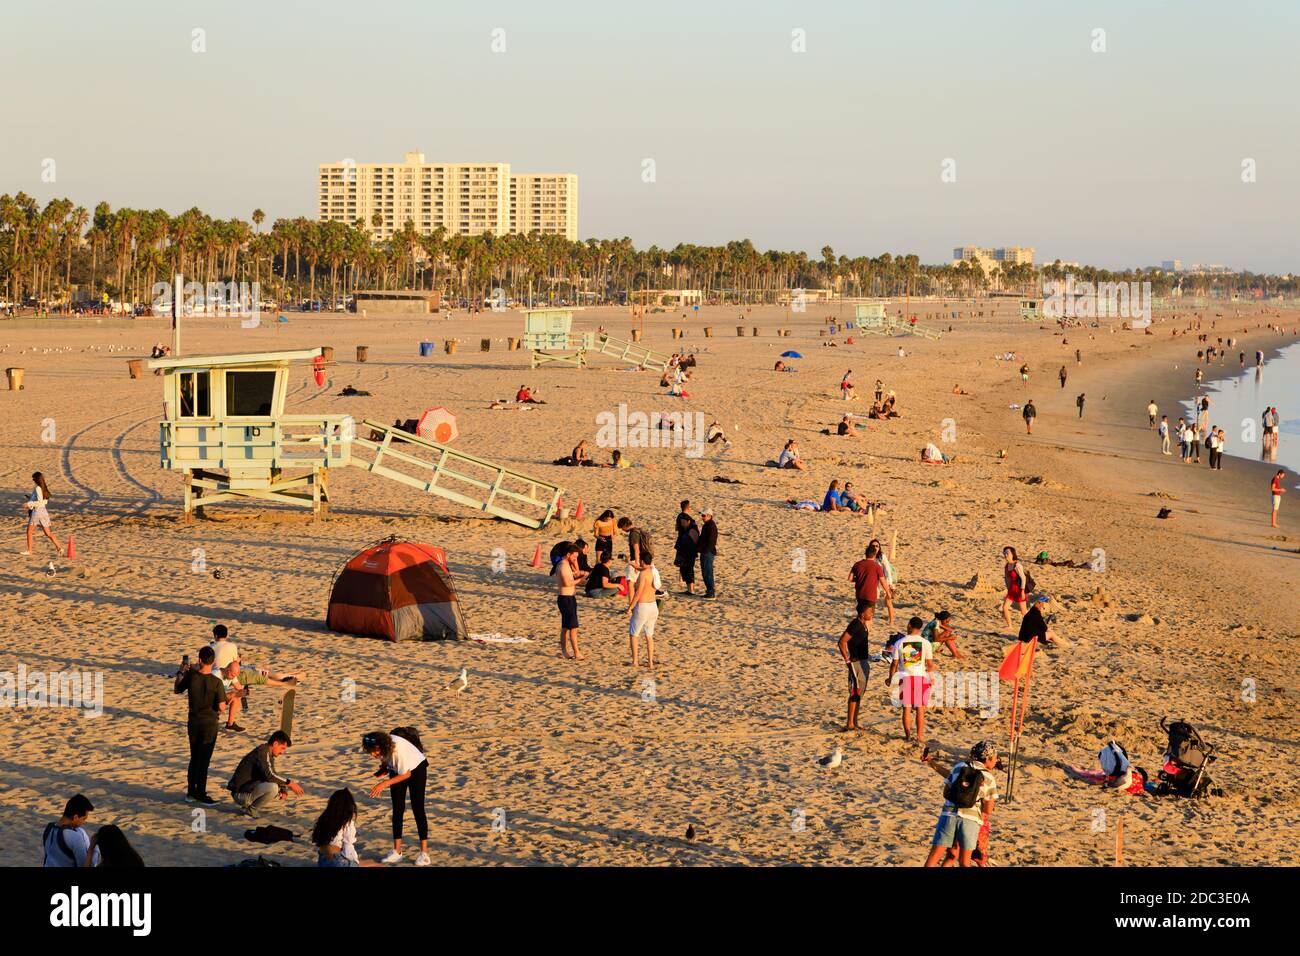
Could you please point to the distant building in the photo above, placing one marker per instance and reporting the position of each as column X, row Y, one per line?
column 1171, row 265
column 990, row 259
column 467, row 199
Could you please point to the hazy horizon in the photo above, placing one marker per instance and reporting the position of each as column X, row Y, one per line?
column 1115, row 159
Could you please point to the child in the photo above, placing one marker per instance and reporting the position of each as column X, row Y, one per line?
column 913, row 661
column 37, row 515
column 939, row 631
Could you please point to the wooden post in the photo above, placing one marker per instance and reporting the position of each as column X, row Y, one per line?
column 1119, row 841
column 893, row 546
column 178, row 285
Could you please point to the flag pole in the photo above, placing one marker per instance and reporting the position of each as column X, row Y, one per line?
column 1018, row 726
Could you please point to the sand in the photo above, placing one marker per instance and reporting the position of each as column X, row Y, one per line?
column 575, row 760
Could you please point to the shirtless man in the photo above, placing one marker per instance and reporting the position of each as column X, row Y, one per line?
column 643, row 611
column 568, row 577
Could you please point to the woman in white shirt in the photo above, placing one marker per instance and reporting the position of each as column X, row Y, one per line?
column 37, row 514
column 406, row 769
column 335, row 833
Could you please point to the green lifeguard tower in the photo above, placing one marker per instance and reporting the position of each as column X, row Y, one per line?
column 226, row 431
column 870, row 318
column 549, row 337
column 1031, row 310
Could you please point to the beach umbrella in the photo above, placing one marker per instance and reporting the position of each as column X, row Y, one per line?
column 791, row 355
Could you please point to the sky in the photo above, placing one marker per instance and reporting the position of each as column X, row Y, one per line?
column 793, row 124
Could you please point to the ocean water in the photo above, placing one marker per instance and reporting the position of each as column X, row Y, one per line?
column 1238, row 402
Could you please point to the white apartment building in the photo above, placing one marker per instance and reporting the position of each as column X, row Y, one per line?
column 466, row 199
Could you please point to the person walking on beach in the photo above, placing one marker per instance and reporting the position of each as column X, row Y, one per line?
column 909, row 670
column 869, row 579
column 1277, row 491
column 256, row 784
column 1182, row 439
column 1193, row 443
column 568, row 576
column 1164, row 434
column 855, row 650
column 643, row 612
column 688, row 536
column 1268, row 420
column 1220, row 440
column 38, row 515
column 1024, row 374
column 1062, row 375
column 1079, row 401
column 639, row 548
column 207, row 699
column 1152, row 411
column 1030, row 413
column 403, row 764
column 1078, row 357
column 708, row 549
column 1017, row 584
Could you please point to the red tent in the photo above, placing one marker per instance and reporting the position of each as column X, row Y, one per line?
column 398, row 590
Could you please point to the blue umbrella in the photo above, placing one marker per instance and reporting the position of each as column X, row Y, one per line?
column 791, row 355
column 281, row 319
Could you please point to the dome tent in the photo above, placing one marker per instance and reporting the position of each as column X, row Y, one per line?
column 397, row 590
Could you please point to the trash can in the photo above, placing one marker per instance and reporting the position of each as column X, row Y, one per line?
column 426, row 349
column 15, row 376
column 134, row 367
column 363, row 352
column 740, row 331
column 636, row 335
column 485, row 345
column 708, row 332
column 327, row 353
column 512, row 344
column 449, row 346
column 756, row 331
column 677, row 333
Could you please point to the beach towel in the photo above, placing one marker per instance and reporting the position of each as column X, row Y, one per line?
column 499, row 639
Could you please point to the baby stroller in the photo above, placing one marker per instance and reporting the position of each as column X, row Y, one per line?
column 1186, row 758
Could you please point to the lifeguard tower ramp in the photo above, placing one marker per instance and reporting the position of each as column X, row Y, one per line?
column 226, row 431
column 549, row 337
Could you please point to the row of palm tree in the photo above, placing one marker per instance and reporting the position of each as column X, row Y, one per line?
column 48, row 253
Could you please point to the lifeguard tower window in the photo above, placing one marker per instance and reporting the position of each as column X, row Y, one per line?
column 249, row 393
column 195, row 395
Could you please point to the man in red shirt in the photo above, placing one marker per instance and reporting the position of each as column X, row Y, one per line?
column 869, row 578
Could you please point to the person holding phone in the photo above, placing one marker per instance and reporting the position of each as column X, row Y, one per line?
column 207, row 700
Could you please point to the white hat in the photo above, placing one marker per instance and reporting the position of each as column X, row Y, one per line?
column 706, row 510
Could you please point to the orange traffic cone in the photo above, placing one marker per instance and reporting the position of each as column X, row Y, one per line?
column 72, row 548
column 537, row 557
column 577, row 513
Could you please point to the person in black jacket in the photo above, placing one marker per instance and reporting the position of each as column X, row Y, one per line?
column 688, row 534
column 708, row 550
column 256, row 782
column 207, row 700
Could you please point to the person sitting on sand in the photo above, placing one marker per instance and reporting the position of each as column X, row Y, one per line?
column 849, row 498
column 580, row 454
column 65, row 842
column 617, row 460
column 832, row 500
column 716, row 434
column 335, row 832
column 113, row 849
column 932, row 455
column 789, row 457
column 1034, row 625
column 958, row 390
column 845, row 426
column 601, row 582
column 525, row 395
column 939, row 631
column 780, row 366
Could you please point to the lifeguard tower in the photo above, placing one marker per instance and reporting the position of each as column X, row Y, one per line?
column 549, row 337
column 226, row 430
column 1031, row 310
column 870, row 318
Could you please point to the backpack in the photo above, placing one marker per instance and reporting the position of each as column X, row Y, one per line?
column 1030, row 584
column 1185, row 745
column 962, row 789
column 410, row 735
column 60, row 840
column 1113, row 759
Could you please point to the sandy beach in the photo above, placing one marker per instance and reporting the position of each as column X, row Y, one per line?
column 586, row 762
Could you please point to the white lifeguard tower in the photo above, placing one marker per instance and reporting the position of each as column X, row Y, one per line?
column 549, row 337
column 1031, row 310
column 226, row 430
column 870, row 317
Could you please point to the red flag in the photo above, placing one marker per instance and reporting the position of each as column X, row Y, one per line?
column 1013, row 663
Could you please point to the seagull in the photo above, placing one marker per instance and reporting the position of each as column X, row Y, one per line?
column 832, row 761
column 690, row 833
column 460, row 681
